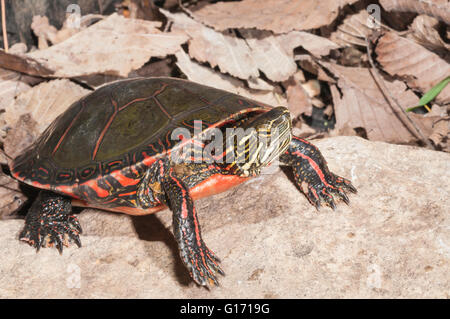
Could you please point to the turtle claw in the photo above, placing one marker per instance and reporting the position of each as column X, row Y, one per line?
column 50, row 234
column 49, row 224
column 327, row 193
column 203, row 265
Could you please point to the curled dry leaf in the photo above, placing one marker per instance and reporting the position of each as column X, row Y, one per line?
column 439, row 9
column 230, row 53
column 206, row 76
column 425, row 33
column 360, row 105
column 44, row 31
column 114, row 46
column 279, row 16
column 420, row 68
column 354, row 29
column 43, row 103
column 11, row 198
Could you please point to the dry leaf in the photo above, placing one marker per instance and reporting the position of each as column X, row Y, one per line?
column 279, row 16
column 307, row 63
column 48, row 33
column 10, row 87
column 439, row 9
column 259, row 84
column 43, row 30
column 354, row 29
column 421, row 68
column 231, row 54
column 316, row 45
column 11, row 198
column 277, row 63
column 360, row 105
column 43, row 103
column 114, row 46
column 299, row 102
column 274, row 53
column 440, row 127
column 425, row 33
column 23, row 64
column 206, row 76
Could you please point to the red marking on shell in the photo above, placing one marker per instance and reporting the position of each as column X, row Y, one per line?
column 108, row 124
column 83, row 105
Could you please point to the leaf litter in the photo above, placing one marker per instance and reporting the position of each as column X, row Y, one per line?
column 311, row 56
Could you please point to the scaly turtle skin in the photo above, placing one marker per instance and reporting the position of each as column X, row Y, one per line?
column 115, row 149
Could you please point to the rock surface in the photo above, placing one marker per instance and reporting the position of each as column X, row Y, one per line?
column 392, row 241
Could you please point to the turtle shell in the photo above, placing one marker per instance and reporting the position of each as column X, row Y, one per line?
column 121, row 127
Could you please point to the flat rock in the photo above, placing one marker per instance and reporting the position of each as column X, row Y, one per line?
column 393, row 241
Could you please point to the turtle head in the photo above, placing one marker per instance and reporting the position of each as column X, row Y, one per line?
column 263, row 138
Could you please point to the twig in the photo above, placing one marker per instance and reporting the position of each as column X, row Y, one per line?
column 5, row 34
column 384, row 90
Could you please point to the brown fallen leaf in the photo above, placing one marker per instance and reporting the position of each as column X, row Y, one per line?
column 23, row 64
column 43, row 103
column 360, row 105
column 420, row 68
column 309, row 64
column 424, row 31
column 10, row 86
column 354, row 29
column 276, row 62
column 11, row 198
column 440, row 127
column 274, row 54
column 279, row 16
column 18, row 137
column 230, row 53
column 206, row 76
column 439, row 9
column 299, row 102
column 113, row 46
column 45, row 32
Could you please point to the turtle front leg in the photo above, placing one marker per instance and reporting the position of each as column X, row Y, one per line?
column 312, row 175
column 50, row 222
column 201, row 262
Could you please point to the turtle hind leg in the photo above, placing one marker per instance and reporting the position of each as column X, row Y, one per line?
column 312, row 175
column 201, row 262
column 50, row 222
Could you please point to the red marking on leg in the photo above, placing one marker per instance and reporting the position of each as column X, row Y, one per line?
column 315, row 167
column 123, row 180
column 69, row 127
column 184, row 209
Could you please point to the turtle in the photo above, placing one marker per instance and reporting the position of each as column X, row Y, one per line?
column 140, row 145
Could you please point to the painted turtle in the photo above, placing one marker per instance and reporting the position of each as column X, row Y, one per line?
column 115, row 149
